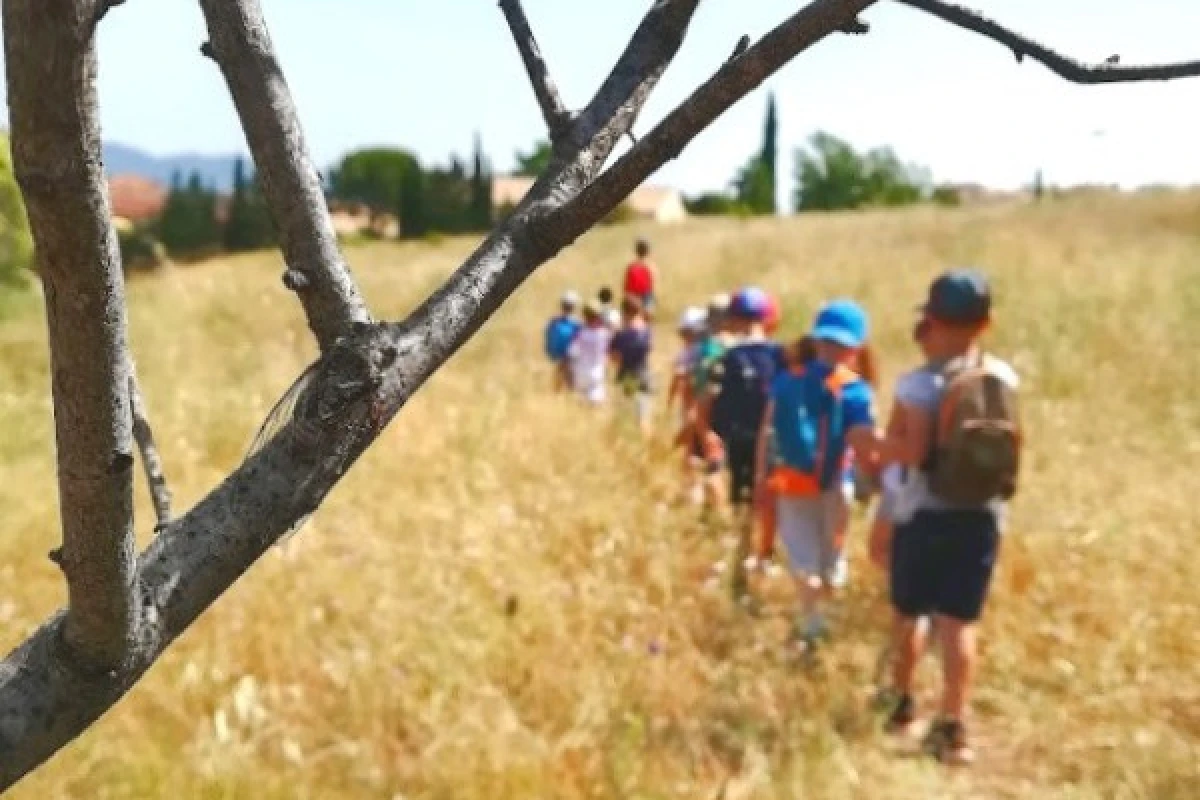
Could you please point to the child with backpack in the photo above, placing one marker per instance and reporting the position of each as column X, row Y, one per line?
column 738, row 386
column 560, row 332
column 588, row 356
column 703, row 452
column 630, row 349
column 816, row 411
column 958, row 433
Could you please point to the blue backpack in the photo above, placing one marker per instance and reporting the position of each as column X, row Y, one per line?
column 810, row 430
column 560, row 332
column 744, row 375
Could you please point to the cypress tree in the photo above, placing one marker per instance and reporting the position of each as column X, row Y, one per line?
column 481, row 191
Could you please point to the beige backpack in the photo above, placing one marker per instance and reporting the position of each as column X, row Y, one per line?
column 977, row 441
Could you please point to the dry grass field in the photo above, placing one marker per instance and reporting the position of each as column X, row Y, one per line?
column 503, row 600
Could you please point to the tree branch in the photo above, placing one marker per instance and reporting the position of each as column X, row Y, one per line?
column 240, row 44
column 732, row 81
column 156, row 480
column 557, row 117
column 56, row 155
column 1067, row 68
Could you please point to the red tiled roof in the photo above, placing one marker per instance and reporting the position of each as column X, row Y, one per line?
column 136, row 198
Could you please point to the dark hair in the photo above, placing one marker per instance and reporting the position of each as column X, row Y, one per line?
column 642, row 247
column 631, row 305
column 605, row 295
column 805, row 350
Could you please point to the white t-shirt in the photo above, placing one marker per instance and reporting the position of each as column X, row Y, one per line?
column 921, row 389
column 589, row 358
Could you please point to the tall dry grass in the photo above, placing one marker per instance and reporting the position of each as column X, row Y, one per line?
column 502, row 600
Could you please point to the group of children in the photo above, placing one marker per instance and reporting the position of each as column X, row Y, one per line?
column 582, row 347
column 796, row 430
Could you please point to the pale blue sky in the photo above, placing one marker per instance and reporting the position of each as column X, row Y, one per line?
column 428, row 74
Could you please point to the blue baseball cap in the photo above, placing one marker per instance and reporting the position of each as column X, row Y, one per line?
column 960, row 297
column 842, row 322
column 748, row 303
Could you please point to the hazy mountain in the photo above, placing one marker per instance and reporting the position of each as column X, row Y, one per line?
column 215, row 170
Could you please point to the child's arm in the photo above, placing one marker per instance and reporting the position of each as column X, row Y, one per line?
column 909, row 441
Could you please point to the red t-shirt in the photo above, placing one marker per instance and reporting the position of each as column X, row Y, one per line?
column 639, row 279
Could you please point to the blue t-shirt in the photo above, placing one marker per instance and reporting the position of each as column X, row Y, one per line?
column 560, row 332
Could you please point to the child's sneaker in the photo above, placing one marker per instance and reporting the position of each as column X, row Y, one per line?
column 902, row 716
column 947, row 742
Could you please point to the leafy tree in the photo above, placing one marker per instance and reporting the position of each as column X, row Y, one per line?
column 755, row 186
column 411, row 207
column 714, row 204
column 249, row 225
column 373, row 177
column 831, row 175
column 188, row 225
column 534, row 163
column 16, row 245
column 446, row 197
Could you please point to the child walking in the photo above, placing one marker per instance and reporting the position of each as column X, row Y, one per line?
column 958, row 435
column 630, row 350
column 588, row 355
column 816, row 411
column 560, row 332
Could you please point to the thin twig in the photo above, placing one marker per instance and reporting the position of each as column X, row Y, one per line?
column 156, row 480
column 1064, row 67
column 558, row 118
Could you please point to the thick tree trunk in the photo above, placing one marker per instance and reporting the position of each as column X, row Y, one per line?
column 51, row 62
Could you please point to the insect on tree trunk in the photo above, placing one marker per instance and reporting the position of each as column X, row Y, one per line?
column 121, row 612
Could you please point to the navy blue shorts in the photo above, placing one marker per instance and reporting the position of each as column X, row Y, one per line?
column 741, row 454
column 942, row 563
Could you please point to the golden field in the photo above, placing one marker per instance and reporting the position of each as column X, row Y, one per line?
column 503, row 600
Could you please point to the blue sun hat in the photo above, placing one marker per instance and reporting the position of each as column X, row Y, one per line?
column 843, row 322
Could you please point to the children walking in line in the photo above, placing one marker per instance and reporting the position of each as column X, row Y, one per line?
column 957, row 433
column 588, row 356
column 703, row 455
column 816, row 412
column 560, row 332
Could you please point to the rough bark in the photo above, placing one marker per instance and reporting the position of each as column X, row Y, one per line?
column 316, row 271
column 143, row 434
column 557, row 117
column 1067, row 68
column 56, row 155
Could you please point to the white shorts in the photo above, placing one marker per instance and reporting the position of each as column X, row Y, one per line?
column 807, row 526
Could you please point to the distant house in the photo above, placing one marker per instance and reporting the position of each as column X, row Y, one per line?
column 135, row 198
column 353, row 219
column 659, row 204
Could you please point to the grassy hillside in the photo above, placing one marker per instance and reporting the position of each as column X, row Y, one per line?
column 373, row 656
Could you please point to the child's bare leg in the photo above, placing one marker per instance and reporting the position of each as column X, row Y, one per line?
column 909, row 640
column 958, row 642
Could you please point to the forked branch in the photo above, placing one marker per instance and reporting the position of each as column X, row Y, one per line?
column 1064, row 67
column 557, row 117
column 240, row 44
